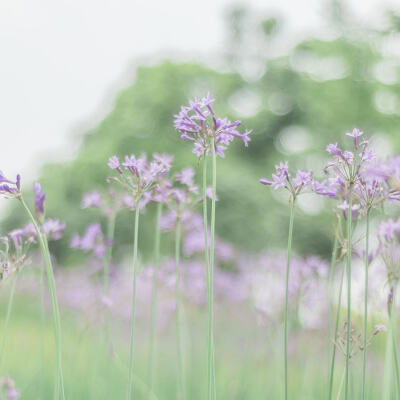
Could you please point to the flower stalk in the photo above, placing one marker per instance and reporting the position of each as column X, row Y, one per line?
column 132, row 337
column 59, row 386
column 365, row 304
column 157, row 236
column 289, row 253
column 181, row 367
column 348, row 268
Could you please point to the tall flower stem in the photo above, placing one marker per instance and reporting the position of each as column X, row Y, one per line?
column 207, row 260
column 181, row 367
column 392, row 318
column 157, row 236
column 59, row 386
column 132, row 338
column 289, row 253
column 8, row 314
column 211, row 355
column 365, row 305
column 348, row 267
column 332, row 367
column 106, row 276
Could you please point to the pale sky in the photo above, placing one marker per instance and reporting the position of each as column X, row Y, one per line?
column 63, row 61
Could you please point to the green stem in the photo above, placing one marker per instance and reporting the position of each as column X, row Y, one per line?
column 330, row 288
column 394, row 344
column 106, row 277
column 181, row 378
column 157, row 236
column 348, row 267
column 207, row 261
column 54, row 303
column 341, row 386
column 289, row 253
column 132, row 338
column 339, row 306
column 387, row 376
column 365, row 306
column 8, row 314
column 211, row 355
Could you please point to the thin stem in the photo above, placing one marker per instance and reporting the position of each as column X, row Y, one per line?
column 181, row 378
column 394, row 344
column 54, row 303
column 330, row 287
column 339, row 306
column 8, row 314
column 106, row 277
column 365, row 306
column 132, row 338
column 211, row 355
column 207, row 261
column 157, row 236
column 289, row 253
column 341, row 386
column 349, row 254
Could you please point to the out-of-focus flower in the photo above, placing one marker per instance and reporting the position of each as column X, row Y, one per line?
column 40, row 197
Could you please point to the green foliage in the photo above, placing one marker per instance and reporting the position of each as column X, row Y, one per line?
column 323, row 87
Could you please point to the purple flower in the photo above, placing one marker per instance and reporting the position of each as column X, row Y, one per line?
column 282, row 178
column 53, row 229
column 355, row 134
column 93, row 241
column 334, row 149
column 92, row 199
column 199, row 124
column 39, row 199
column 186, row 177
column 389, row 229
column 9, row 188
column 113, row 163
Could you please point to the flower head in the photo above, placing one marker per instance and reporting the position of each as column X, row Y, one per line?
column 282, row 179
column 199, row 124
column 8, row 188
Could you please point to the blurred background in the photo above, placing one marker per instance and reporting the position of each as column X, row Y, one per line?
column 81, row 81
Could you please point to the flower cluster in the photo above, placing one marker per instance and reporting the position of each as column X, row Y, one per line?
column 140, row 177
column 198, row 123
column 9, row 188
column 181, row 197
column 283, row 179
column 93, row 241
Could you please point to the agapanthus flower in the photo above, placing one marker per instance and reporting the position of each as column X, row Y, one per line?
column 9, row 188
column 198, row 123
column 140, row 177
column 282, row 179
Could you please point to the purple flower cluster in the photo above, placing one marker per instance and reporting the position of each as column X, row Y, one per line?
column 282, row 179
column 142, row 179
column 9, row 188
column 93, row 241
column 198, row 123
column 360, row 169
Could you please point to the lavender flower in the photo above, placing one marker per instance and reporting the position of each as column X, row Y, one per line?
column 199, row 124
column 8, row 188
column 140, row 177
column 282, row 179
column 93, row 241
column 39, row 200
